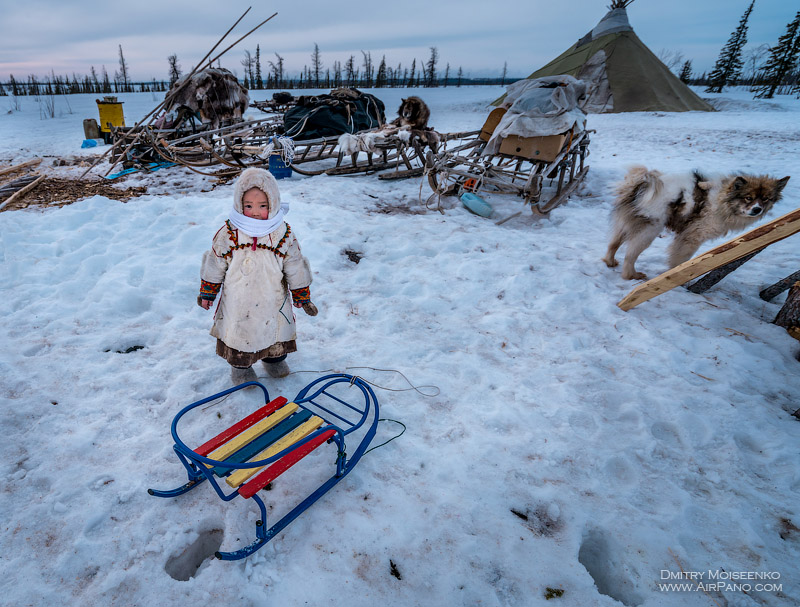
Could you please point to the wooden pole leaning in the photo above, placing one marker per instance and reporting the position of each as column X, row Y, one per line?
column 21, row 192
column 738, row 247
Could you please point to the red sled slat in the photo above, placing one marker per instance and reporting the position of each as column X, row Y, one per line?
column 252, row 487
column 240, row 426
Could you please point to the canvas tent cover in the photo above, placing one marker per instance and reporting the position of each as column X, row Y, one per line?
column 621, row 73
column 540, row 107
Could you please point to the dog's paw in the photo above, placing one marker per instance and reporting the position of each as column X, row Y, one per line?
column 611, row 263
column 634, row 276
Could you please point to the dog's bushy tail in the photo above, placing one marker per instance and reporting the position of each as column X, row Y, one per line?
column 639, row 188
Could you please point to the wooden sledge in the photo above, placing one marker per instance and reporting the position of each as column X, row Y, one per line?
column 256, row 450
column 743, row 246
column 520, row 166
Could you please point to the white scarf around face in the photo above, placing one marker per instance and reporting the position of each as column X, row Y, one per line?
column 257, row 228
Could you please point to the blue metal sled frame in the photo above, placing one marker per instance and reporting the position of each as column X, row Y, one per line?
column 338, row 416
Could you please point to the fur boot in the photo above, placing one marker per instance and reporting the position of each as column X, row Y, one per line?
column 241, row 375
column 276, row 369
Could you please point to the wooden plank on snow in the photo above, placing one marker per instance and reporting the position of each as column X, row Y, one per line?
column 18, row 167
column 738, row 247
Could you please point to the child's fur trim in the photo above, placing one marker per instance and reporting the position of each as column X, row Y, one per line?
column 264, row 181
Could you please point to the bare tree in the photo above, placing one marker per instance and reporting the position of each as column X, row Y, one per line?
column 368, row 68
column 505, row 72
column 337, row 74
column 106, row 81
column 672, row 59
column 174, row 69
column 380, row 78
column 277, row 71
column 259, row 80
column 95, row 81
column 753, row 59
column 316, row 64
column 247, row 64
column 122, row 76
column 413, row 69
column 446, row 74
column 350, row 67
column 430, row 71
column 460, row 75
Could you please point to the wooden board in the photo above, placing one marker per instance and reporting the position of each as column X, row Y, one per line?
column 240, row 440
column 19, row 167
column 240, row 426
column 239, row 476
column 742, row 245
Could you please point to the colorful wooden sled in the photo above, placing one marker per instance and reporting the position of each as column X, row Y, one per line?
column 256, row 450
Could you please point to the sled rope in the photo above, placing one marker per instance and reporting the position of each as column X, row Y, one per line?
column 412, row 386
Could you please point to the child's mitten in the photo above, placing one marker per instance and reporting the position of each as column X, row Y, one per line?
column 208, row 293
column 310, row 309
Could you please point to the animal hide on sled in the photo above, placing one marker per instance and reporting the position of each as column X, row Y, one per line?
column 214, row 94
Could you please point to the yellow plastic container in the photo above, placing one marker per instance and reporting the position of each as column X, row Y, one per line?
column 110, row 113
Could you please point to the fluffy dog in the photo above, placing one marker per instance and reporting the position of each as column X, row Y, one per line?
column 696, row 208
column 412, row 113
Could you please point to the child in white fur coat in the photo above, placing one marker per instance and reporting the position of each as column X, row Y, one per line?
column 256, row 267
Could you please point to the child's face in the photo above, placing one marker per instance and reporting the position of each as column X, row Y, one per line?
column 255, row 204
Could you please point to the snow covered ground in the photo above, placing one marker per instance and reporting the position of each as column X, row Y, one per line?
column 568, row 445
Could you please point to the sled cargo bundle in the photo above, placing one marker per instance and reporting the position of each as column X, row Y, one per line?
column 344, row 110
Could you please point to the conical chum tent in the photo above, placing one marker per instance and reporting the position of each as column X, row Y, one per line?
column 621, row 73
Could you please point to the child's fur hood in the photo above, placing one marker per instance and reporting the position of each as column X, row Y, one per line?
column 264, row 181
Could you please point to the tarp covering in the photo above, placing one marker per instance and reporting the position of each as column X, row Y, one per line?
column 540, row 107
column 344, row 110
column 621, row 73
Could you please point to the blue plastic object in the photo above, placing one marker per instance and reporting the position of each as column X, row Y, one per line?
column 476, row 204
column 89, row 143
column 278, row 167
column 148, row 168
column 357, row 408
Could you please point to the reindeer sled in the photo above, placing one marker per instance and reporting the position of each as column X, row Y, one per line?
column 279, row 103
column 199, row 127
column 536, row 140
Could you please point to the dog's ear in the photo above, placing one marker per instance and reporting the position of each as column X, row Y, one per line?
column 739, row 182
column 781, row 183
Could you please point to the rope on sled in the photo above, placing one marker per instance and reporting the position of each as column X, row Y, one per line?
column 383, row 419
column 285, row 148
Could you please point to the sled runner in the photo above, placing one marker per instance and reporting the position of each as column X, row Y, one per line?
column 256, row 450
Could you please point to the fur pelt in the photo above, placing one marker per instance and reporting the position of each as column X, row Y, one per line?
column 214, row 94
column 695, row 207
